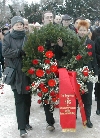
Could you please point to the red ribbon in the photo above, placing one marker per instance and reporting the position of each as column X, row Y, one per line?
column 68, row 93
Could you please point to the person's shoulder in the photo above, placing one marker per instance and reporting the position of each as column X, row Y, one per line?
column 90, row 41
column 7, row 35
column 97, row 40
column 0, row 43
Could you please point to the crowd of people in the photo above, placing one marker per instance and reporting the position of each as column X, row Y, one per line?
column 12, row 40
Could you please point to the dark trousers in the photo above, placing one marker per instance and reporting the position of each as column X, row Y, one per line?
column 48, row 114
column 22, row 103
column 0, row 71
column 98, row 97
column 95, row 89
column 87, row 100
column 98, row 94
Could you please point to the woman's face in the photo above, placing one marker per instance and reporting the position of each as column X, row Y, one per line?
column 82, row 31
column 18, row 26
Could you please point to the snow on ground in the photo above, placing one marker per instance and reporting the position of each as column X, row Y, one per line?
column 8, row 124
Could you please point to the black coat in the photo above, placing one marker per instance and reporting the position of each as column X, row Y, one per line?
column 87, row 98
column 57, row 50
column 92, row 65
column 96, row 39
column 1, row 57
column 10, row 50
column 95, row 33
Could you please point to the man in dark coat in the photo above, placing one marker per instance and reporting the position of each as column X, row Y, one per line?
column 1, row 57
column 96, row 39
column 57, row 49
column 95, row 34
column 12, row 50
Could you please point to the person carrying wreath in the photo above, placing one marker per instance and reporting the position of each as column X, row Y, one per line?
column 82, row 29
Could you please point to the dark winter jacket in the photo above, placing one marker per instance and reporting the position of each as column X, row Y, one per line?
column 97, row 50
column 1, row 57
column 57, row 50
column 95, row 34
column 12, row 51
column 92, row 64
column 96, row 39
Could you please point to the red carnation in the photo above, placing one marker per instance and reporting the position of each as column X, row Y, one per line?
column 31, row 71
column 45, row 102
column 40, row 48
column 53, row 68
column 39, row 101
column 35, row 61
column 90, row 53
column 54, row 99
column 78, row 57
column 82, row 91
column 39, row 72
column 48, row 71
column 57, row 73
column 57, row 95
column 41, row 85
column 27, row 88
column 39, row 94
column 47, row 61
column 52, row 93
column 56, row 105
column 51, row 82
column 89, row 46
column 44, row 89
column 85, row 72
column 33, row 84
column 49, row 54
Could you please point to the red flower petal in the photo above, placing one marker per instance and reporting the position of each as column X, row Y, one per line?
column 48, row 71
column 53, row 68
column 47, row 61
column 51, row 82
column 31, row 71
column 39, row 94
column 39, row 101
column 41, row 85
column 49, row 54
column 90, row 53
column 89, row 46
column 27, row 88
column 39, row 73
column 35, row 61
column 78, row 57
column 40, row 48
column 44, row 89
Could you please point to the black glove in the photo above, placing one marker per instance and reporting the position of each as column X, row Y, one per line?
column 21, row 53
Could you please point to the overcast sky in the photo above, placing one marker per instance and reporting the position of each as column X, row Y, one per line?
column 29, row 1
column 35, row 1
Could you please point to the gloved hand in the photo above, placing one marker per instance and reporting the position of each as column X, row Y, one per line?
column 96, row 79
column 21, row 53
column 93, row 79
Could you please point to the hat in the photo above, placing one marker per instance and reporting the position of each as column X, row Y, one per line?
column 66, row 17
column 16, row 19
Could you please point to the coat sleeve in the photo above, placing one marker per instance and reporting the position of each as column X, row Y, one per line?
column 7, row 50
column 94, row 62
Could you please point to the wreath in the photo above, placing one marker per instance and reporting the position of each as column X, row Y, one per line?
column 42, row 67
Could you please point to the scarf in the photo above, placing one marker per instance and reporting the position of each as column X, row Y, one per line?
column 17, row 34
